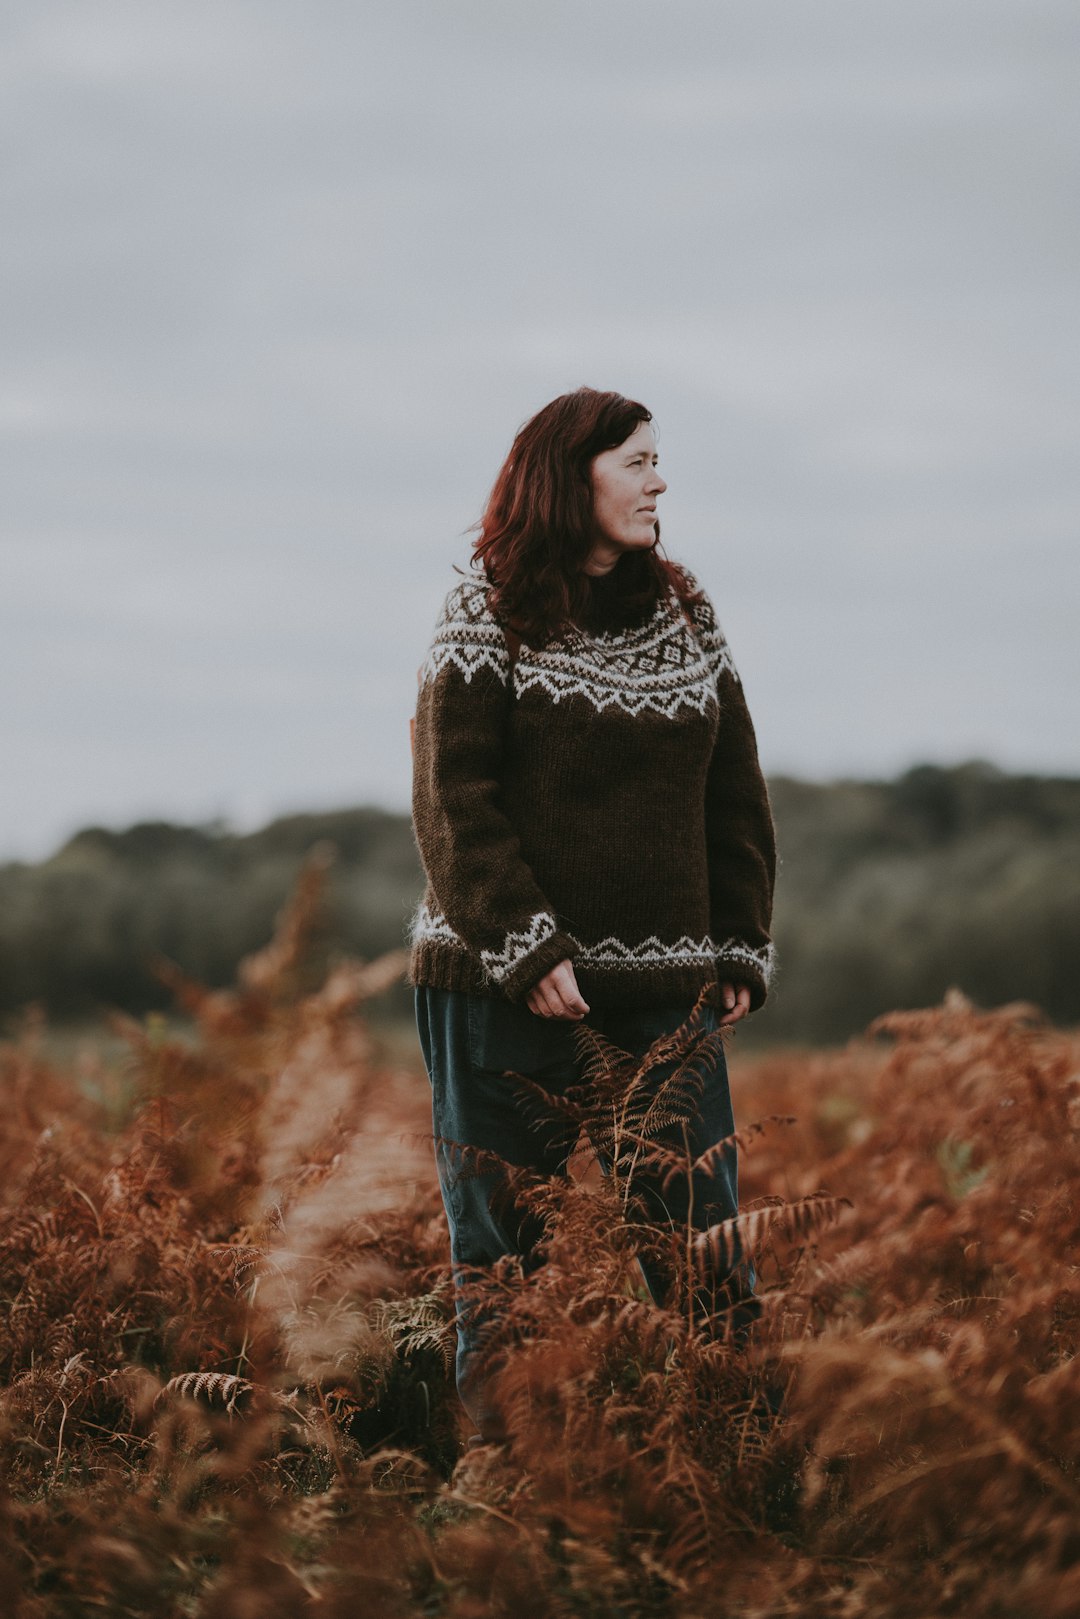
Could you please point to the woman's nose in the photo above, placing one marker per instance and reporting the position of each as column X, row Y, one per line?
column 657, row 484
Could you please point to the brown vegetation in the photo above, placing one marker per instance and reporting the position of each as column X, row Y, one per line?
column 227, row 1334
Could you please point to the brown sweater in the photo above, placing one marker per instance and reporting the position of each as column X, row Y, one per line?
column 599, row 799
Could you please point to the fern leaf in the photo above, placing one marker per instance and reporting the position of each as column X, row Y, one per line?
column 722, row 1246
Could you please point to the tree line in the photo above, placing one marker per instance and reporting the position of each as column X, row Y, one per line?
column 889, row 893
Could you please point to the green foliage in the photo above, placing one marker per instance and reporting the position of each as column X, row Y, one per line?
column 889, row 894
column 84, row 929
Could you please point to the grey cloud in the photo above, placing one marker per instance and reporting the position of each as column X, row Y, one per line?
column 280, row 280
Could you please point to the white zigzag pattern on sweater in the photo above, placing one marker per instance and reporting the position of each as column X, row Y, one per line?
column 609, row 953
column 685, row 952
column 764, row 960
column 651, row 952
column 662, row 666
column 432, row 926
column 516, row 946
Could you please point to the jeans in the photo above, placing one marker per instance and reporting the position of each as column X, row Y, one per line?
column 469, row 1042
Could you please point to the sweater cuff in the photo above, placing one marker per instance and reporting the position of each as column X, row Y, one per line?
column 741, row 963
column 528, row 954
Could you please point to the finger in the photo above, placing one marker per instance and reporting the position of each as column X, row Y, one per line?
column 727, row 997
column 550, row 997
column 538, row 1000
column 561, row 1006
column 557, row 994
column 740, row 1010
column 572, row 1004
column 564, row 981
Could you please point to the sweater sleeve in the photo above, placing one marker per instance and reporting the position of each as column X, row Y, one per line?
column 486, row 892
column 739, row 829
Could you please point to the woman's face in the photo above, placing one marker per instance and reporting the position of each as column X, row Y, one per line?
column 625, row 486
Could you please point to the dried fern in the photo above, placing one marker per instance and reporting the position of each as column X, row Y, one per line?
column 227, row 1348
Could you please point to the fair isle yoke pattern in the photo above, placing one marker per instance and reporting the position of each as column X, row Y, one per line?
column 712, row 638
column 662, row 666
column 467, row 636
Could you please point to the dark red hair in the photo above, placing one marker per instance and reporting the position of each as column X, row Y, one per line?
column 537, row 531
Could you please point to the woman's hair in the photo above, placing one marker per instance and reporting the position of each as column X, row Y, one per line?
column 537, row 531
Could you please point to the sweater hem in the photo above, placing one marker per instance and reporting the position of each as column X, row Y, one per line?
column 442, row 966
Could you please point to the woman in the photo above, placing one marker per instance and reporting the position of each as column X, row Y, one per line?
column 591, row 816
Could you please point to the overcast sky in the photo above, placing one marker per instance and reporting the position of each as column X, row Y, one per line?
column 280, row 281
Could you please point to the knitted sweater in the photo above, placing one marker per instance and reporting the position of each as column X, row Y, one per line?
column 598, row 799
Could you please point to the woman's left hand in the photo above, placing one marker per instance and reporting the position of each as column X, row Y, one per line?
column 734, row 1003
column 557, row 995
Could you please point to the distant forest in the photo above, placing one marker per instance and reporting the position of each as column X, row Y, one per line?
column 889, row 894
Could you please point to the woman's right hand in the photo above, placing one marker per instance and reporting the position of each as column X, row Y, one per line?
column 557, row 995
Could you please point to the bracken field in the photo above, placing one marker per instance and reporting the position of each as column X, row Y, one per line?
column 227, row 1332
